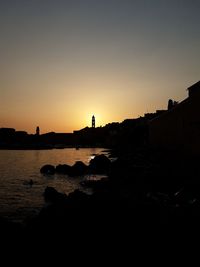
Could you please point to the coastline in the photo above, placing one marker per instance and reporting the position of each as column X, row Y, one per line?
column 143, row 187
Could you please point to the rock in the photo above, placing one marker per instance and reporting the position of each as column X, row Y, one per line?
column 77, row 195
column 52, row 195
column 96, row 184
column 47, row 169
column 78, row 169
column 63, row 169
column 100, row 164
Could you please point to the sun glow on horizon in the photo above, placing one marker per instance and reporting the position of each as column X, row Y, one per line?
column 65, row 61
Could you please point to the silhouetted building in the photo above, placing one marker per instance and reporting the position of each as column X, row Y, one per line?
column 37, row 130
column 7, row 131
column 179, row 127
column 150, row 116
column 171, row 104
column 93, row 121
column 21, row 133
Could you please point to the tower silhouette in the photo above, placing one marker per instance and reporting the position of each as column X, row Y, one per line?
column 93, row 121
column 37, row 130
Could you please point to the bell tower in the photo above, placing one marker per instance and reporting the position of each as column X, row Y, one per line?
column 93, row 121
column 37, row 131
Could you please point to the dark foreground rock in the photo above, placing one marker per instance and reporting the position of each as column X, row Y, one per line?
column 47, row 169
column 63, row 169
column 52, row 196
column 143, row 188
column 99, row 165
column 147, row 192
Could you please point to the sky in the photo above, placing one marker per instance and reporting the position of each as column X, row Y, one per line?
column 62, row 61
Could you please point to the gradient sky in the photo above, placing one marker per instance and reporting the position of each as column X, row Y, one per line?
column 61, row 61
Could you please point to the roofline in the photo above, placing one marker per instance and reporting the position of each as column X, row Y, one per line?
column 171, row 110
column 193, row 85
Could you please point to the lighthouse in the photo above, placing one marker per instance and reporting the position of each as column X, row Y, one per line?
column 93, row 121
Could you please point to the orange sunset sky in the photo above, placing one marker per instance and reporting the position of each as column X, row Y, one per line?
column 63, row 61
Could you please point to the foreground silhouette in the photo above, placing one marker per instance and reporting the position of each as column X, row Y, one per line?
column 144, row 189
column 149, row 194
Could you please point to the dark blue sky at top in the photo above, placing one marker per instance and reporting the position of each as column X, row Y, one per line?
column 104, row 15
column 84, row 22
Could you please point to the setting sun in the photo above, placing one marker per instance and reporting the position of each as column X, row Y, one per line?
column 61, row 65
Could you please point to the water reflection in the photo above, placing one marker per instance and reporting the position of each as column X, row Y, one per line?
column 22, row 185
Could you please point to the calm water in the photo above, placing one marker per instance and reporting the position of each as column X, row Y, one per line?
column 17, row 198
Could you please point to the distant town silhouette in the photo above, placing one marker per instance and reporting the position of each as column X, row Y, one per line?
column 176, row 127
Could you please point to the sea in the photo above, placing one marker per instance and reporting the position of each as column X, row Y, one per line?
column 21, row 200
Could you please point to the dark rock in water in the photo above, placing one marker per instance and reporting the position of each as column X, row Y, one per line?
column 79, row 168
column 64, row 169
column 51, row 195
column 95, row 184
column 47, row 169
column 77, row 195
column 78, row 201
column 100, row 164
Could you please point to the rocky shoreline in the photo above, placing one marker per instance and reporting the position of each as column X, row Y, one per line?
column 144, row 189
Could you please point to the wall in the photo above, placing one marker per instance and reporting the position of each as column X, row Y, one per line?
column 178, row 128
